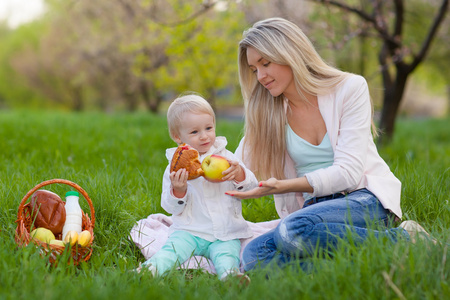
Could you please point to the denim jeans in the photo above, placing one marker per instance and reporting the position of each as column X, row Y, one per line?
column 322, row 223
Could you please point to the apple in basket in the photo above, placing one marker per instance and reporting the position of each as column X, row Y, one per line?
column 213, row 166
column 57, row 243
column 42, row 234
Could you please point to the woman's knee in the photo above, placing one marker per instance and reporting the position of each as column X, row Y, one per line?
column 293, row 232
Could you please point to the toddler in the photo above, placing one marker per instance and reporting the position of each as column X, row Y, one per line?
column 206, row 222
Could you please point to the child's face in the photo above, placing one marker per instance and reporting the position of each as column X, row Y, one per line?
column 198, row 131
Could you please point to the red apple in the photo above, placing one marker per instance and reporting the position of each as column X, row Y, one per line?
column 213, row 166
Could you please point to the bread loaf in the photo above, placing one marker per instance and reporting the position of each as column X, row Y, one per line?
column 47, row 210
column 186, row 157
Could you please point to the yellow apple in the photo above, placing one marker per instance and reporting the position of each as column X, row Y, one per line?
column 42, row 234
column 213, row 166
column 57, row 243
column 84, row 238
column 71, row 237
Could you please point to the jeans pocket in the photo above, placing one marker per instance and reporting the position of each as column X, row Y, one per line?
column 308, row 202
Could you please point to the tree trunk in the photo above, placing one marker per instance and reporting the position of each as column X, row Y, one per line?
column 131, row 101
column 147, row 96
column 389, row 27
column 392, row 97
column 77, row 97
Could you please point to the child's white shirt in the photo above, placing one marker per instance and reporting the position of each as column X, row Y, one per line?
column 205, row 210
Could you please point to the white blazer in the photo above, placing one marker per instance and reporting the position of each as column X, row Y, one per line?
column 347, row 113
column 205, row 210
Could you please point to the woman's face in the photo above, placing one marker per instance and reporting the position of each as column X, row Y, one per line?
column 278, row 79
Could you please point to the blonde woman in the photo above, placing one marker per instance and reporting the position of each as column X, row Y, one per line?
column 308, row 138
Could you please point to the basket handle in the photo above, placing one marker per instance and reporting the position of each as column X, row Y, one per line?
column 52, row 181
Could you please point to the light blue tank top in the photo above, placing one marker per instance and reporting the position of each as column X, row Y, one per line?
column 306, row 156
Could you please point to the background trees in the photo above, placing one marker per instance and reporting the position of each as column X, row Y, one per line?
column 406, row 37
column 129, row 55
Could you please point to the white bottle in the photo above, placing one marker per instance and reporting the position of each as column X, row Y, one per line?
column 73, row 214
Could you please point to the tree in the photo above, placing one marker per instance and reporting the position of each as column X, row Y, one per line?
column 91, row 55
column 288, row 9
column 397, row 58
column 14, row 90
column 111, row 38
column 111, row 53
column 203, row 51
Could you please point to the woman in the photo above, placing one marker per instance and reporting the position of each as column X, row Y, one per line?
column 308, row 136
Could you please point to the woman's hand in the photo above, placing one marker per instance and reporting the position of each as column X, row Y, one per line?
column 268, row 187
column 234, row 172
column 274, row 186
column 179, row 182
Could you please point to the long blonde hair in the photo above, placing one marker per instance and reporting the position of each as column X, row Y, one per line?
column 282, row 42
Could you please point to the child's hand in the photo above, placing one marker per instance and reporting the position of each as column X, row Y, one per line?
column 179, row 182
column 234, row 172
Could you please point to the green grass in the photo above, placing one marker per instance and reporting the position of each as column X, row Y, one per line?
column 119, row 160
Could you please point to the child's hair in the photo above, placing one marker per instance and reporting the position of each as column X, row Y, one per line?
column 186, row 103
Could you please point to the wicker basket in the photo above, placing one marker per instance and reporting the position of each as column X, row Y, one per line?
column 24, row 223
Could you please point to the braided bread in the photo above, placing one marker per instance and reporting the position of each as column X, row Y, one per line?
column 186, row 157
column 48, row 211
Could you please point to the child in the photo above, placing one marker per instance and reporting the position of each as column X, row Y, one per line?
column 205, row 221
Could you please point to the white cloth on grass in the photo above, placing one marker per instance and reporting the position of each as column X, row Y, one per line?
column 150, row 234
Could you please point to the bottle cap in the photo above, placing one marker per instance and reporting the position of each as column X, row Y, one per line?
column 72, row 193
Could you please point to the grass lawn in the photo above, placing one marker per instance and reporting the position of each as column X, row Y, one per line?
column 119, row 160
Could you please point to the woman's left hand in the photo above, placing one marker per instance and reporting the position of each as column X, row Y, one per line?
column 268, row 187
column 274, row 186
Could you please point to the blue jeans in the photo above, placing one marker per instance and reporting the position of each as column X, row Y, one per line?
column 322, row 223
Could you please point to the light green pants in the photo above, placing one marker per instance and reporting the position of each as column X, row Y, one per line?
column 182, row 245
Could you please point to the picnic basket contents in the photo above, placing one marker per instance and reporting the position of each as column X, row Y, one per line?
column 47, row 210
column 43, row 220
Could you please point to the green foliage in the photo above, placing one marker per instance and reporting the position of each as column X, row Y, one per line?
column 13, row 87
column 336, row 35
column 202, row 52
column 346, row 41
column 119, row 160
column 420, row 157
column 130, row 57
column 116, row 55
column 434, row 71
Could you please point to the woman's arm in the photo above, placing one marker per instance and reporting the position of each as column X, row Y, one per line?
column 353, row 120
column 275, row 186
